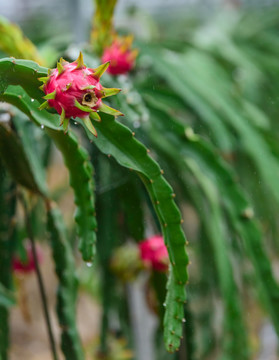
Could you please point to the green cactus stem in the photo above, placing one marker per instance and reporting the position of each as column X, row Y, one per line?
column 67, row 287
column 102, row 25
column 233, row 198
column 16, row 160
column 80, row 169
column 14, row 43
column 7, row 242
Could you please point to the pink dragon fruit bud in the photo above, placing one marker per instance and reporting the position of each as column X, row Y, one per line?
column 121, row 56
column 154, row 253
column 29, row 266
column 75, row 91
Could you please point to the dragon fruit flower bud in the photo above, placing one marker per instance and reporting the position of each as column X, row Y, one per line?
column 154, row 253
column 28, row 266
column 120, row 55
column 126, row 262
column 74, row 90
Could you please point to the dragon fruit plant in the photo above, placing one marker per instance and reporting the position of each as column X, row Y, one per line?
column 74, row 90
column 186, row 124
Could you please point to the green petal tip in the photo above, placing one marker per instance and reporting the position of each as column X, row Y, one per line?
column 89, row 125
column 108, row 110
column 98, row 72
column 79, row 61
column 50, row 96
column 82, row 107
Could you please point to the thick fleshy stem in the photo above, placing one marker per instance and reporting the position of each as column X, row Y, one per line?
column 29, row 231
column 15, row 43
column 102, row 25
column 7, row 244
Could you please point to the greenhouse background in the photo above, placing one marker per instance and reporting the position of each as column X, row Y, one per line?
column 80, row 199
column 72, row 16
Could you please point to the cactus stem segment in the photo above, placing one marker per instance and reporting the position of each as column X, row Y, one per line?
column 108, row 110
column 98, row 72
column 89, row 125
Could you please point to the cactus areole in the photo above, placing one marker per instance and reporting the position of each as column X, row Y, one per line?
column 75, row 91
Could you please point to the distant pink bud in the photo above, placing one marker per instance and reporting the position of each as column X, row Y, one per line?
column 29, row 266
column 121, row 56
column 154, row 253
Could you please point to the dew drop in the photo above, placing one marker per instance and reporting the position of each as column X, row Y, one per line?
column 164, row 304
column 32, row 100
column 183, row 320
column 89, row 263
column 75, row 123
column 42, row 127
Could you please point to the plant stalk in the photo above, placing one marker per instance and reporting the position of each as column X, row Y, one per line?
column 40, row 280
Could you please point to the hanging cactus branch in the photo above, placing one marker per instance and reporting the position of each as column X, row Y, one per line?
column 14, row 43
column 67, row 288
column 7, row 243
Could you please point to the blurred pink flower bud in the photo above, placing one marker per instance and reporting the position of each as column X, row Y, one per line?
column 121, row 56
column 154, row 253
column 29, row 266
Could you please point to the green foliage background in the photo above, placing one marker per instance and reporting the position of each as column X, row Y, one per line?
column 203, row 99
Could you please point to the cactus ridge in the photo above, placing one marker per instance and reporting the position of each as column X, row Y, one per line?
column 118, row 141
column 67, row 288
